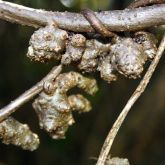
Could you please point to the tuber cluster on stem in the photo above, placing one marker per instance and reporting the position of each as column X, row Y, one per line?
column 124, row 55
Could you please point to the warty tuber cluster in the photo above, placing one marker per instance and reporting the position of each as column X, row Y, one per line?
column 124, row 55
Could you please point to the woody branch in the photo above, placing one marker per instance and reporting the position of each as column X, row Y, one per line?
column 117, row 20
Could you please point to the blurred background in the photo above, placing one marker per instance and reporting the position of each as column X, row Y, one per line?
column 141, row 138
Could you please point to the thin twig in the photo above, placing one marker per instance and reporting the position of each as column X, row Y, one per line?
column 140, row 3
column 139, row 90
column 118, row 20
column 28, row 95
column 96, row 23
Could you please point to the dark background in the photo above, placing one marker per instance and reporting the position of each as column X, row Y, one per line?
column 142, row 136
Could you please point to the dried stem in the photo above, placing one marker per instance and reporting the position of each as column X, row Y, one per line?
column 140, row 3
column 27, row 95
column 119, row 20
column 139, row 90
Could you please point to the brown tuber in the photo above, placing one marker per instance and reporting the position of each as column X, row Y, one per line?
column 18, row 134
column 54, row 108
column 47, row 43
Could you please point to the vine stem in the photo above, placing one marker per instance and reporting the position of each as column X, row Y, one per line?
column 137, row 93
column 117, row 20
column 29, row 94
column 141, row 3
